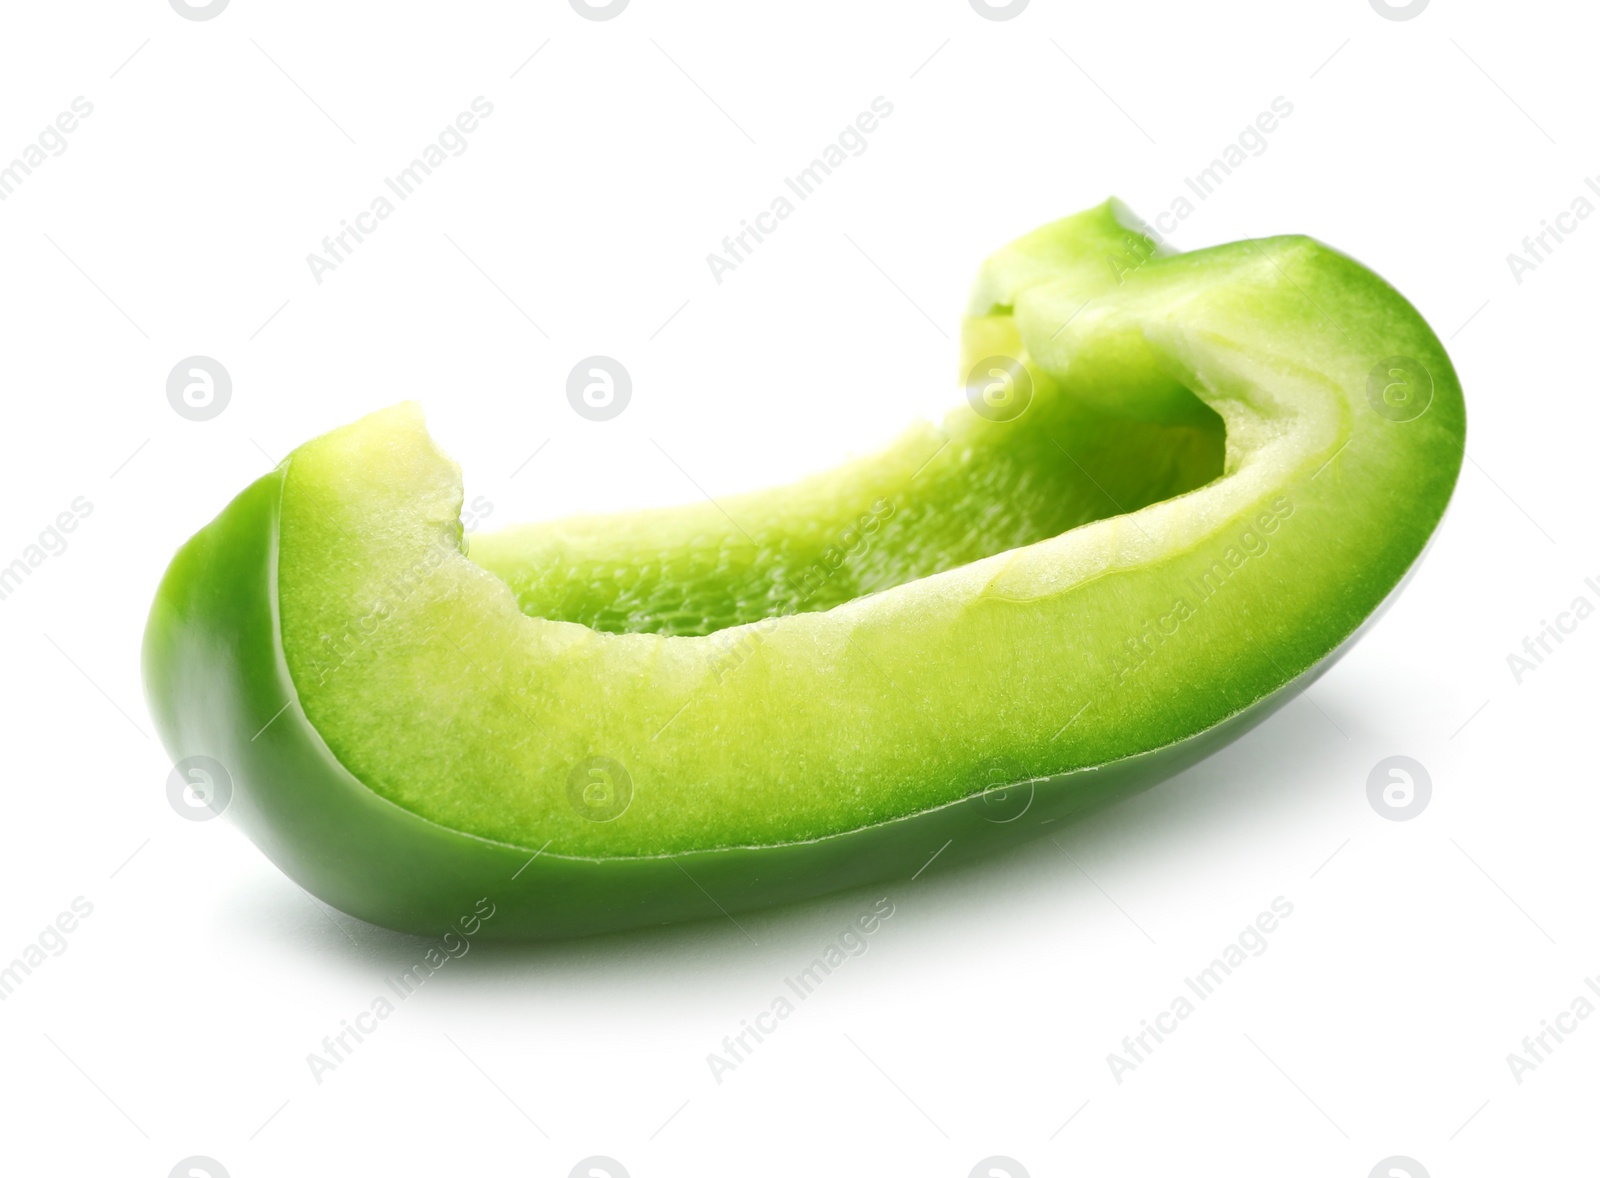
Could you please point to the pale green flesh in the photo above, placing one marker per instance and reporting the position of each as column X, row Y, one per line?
column 1017, row 622
column 938, row 499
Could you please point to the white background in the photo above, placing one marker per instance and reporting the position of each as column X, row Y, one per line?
column 178, row 220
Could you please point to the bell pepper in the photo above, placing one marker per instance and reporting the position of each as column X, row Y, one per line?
column 1177, row 486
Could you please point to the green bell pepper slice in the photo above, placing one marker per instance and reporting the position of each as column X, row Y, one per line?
column 1179, row 485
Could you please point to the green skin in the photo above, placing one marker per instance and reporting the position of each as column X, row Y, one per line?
column 1229, row 459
